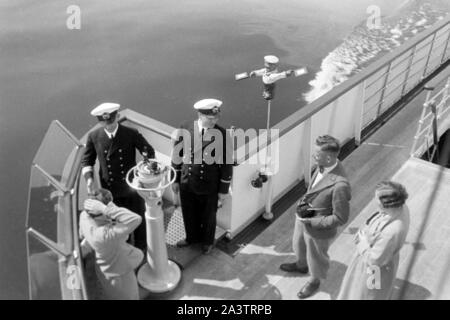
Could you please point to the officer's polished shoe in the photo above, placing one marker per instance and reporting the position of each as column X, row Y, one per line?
column 308, row 289
column 183, row 243
column 293, row 267
column 207, row 248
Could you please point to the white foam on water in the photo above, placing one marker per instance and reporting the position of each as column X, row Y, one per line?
column 421, row 22
column 363, row 45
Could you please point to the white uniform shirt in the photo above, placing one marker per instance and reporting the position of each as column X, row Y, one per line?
column 112, row 134
column 320, row 175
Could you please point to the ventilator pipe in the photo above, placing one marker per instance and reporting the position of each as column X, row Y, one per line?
column 151, row 178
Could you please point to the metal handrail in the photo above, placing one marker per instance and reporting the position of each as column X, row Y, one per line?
column 387, row 84
column 52, row 245
column 376, row 80
column 423, row 131
column 143, row 124
column 400, row 73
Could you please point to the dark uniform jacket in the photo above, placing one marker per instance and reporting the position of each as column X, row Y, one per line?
column 116, row 156
column 196, row 173
column 331, row 199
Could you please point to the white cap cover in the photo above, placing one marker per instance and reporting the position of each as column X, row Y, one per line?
column 271, row 59
column 106, row 107
column 207, row 104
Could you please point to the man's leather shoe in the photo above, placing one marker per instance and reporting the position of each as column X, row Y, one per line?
column 292, row 267
column 183, row 243
column 207, row 249
column 308, row 289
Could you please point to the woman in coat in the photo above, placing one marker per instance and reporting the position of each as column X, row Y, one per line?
column 372, row 271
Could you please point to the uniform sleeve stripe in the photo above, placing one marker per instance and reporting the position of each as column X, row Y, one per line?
column 86, row 170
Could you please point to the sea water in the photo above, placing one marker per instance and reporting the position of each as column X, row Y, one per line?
column 159, row 58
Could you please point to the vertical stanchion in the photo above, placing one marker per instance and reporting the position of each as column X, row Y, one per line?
column 444, row 54
column 428, row 57
column 435, row 132
column 359, row 113
column 151, row 178
column 408, row 70
column 419, row 127
column 270, row 75
column 306, row 150
column 268, row 215
column 383, row 89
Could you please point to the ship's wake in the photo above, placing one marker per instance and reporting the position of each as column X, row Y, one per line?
column 364, row 44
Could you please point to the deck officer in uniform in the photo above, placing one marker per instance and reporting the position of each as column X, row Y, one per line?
column 104, row 228
column 324, row 207
column 203, row 173
column 114, row 145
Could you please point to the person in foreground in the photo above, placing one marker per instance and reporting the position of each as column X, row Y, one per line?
column 203, row 173
column 372, row 271
column 105, row 229
column 324, row 207
column 114, row 145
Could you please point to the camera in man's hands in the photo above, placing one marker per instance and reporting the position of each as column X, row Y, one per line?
column 305, row 210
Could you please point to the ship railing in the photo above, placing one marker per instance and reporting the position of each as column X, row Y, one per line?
column 349, row 112
column 54, row 258
column 435, row 117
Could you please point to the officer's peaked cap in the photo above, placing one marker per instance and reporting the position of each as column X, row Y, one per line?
column 271, row 59
column 208, row 106
column 105, row 108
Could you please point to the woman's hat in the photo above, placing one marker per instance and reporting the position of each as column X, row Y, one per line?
column 391, row 194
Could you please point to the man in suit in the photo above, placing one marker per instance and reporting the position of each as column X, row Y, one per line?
column 201, row 157
column 114, row 145
column 104, row 227
column 328, row 206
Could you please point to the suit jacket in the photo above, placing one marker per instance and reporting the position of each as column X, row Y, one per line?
column 116, row 156
column 113, row 255
column 203, row 169
column 331, row 199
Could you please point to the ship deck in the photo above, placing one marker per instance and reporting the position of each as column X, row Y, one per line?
column 253, row 272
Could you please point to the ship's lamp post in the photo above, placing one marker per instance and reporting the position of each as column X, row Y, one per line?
column 270, row 75
column 151, row 178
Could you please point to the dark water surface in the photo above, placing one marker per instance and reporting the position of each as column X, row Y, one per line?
column 156, row 57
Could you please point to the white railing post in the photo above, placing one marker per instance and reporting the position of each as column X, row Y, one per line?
column 306, row 150
column 359, row 112
column 419, row 127
column 429, row 54
column 408, row 70
column 446, row 47
column 383, row 89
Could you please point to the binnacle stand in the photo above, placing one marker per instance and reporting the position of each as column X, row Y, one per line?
column 151, row 178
